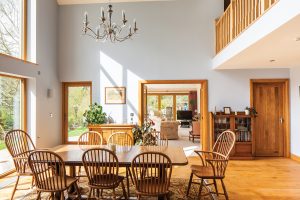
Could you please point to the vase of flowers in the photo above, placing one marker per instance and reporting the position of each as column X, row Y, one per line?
column 143, row 134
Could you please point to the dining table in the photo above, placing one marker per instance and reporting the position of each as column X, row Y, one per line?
column 72, row 155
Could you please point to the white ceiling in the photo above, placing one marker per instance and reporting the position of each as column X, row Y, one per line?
column 69, row 2
column 280, row 46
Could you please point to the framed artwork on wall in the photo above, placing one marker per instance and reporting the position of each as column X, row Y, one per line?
column 115, row 95
column 227, row 110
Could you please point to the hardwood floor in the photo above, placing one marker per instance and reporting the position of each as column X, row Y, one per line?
column 261, row 179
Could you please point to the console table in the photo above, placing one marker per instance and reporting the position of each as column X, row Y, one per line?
column 108, row 129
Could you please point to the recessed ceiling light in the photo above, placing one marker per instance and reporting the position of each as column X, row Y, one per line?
column 272, row 60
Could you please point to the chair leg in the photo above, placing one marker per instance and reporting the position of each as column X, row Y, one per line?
column 216, row 187
column 124, row 190
column 224, row 189
column 15, row 188
column 77, row 191
column 127, row 181
column 138, row 197
column 38, row 195
column 189, row 185
column 200, row 188
column 62, row 197
column 32, row 182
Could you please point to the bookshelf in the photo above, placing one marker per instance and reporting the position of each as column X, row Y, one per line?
column 242, row 126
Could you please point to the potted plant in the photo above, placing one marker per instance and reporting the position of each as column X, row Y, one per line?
column 95, row 115
column 143, row 134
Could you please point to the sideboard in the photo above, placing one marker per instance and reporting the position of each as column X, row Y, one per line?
column 108, row 129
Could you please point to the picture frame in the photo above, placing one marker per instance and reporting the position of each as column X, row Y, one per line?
column 227, row 110
column 115, row 95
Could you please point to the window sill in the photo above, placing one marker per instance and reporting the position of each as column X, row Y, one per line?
column 18, row 59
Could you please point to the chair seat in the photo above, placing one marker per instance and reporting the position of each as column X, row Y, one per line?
column 56, row 181
column 108, row 180
column 194, row 134
column 203, row 171
column 152, row 186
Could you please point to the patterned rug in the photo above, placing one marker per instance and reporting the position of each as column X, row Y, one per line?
column 178, row 190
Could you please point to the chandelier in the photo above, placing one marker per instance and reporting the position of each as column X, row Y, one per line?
column 109, row 30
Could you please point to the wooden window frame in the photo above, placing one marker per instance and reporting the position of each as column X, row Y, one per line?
column 65, row 86
column 23, row 56
column 174, row 94
column 204, row 122
column 23, row 110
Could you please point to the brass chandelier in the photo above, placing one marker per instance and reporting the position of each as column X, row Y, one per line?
column 109, row 30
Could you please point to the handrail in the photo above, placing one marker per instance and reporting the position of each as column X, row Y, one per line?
column 239, row 15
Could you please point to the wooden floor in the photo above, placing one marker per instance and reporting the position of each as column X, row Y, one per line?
column 265, row 179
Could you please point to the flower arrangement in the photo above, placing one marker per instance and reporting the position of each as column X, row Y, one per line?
column 143, row 134
column 95, row 114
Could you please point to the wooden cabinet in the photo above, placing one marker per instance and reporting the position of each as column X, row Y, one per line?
column 108, row 129
column 242, row 126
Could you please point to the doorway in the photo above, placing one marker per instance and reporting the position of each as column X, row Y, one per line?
column 203, row 96
column 77, row 97
column 270, row 98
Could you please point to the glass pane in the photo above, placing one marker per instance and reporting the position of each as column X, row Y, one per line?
column 182, row 102
column 11, row 27
column 78, row 103
column 10, row 116
column 167, row 106
column 152, row 105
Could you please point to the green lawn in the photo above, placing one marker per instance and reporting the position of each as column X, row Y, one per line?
column 2, row 145
column 77, row 131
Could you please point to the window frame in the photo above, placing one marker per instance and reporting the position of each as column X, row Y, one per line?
column 65, row 86
column 23, row 54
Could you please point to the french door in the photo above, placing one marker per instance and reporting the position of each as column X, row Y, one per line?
column 77, row 97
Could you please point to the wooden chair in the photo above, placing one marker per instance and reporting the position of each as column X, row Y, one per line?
column 213, row 163
column 123, row 139
column 102, row 169
column 151, row 174
column 162, row 140
column 195, row 133
column 88, row 138
column 50, row 174
column 19, row 145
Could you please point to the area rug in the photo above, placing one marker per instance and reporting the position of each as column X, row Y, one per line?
column 178, row 190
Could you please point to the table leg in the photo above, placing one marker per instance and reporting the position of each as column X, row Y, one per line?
column 127, row 181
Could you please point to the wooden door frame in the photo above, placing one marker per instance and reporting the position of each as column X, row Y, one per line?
column 65, row 85
column 203, row 96
column 286, row 110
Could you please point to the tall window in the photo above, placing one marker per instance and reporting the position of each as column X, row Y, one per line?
column 12, row 114
column 12, row 27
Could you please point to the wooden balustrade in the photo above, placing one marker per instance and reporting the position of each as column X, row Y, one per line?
column 237, row 17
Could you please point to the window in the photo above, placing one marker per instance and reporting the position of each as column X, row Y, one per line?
column 12, row 114
column 77, row 100
column 13, row 27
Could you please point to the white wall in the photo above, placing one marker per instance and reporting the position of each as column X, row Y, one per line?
column 295, row 110
column 46, row 131
column 176, row 41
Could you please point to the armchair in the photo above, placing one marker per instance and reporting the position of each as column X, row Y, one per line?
column 213, row 163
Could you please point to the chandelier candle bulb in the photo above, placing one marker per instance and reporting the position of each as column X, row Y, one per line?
column 107, row 29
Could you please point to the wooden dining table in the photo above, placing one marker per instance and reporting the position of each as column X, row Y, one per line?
column 72, row 154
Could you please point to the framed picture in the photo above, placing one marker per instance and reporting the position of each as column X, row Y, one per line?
column 115, row 95
column 227, row 110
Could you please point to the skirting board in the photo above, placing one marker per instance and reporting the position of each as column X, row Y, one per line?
column 295, row 157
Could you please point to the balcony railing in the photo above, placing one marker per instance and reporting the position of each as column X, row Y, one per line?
column 239, row 15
